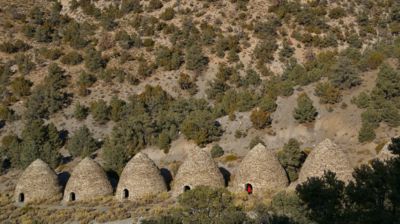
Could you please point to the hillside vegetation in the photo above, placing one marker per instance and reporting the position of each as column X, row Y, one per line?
column 110, row 78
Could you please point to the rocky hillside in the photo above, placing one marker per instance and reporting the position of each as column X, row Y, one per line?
column 108, row 79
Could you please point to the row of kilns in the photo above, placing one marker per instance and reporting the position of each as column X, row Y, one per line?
column 259, row 172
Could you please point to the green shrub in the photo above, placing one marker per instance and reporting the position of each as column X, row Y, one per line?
column 201, row 127
column 37, row 141
column 217, row 151
column 362, row 101
column 327, row 93
column 51, row 54
column 251, row 78
column 145, row 69
column 372, row 117
column 48, row 97
column 337, row 12
column 154, row 5
column 292, row 158
column 354, row 41
column 356, row 202
column 195, row 59
column 170, row 59
column 239, row 134
column 287, row 204
column 108, row 18
column 267, row 103
column 128, row 6
column 85, row 80
column 24, row 63
column 148, row 42
column 264, row 51
column 345, row 75
column 28, row 30
column 37, row 16
column 81, row 112
column 216, row 89
column 305, row 112
column 168, row 14
column 6, row 114
column 371, row 60
column 124, row 40
column 74, row 34
column 260, row 119
column 17, row 46
column 388, row 82
column 115, row 155
column 164, row 141
column 187, row 83
column 255, row 141
column 390, row 114
column 286, row 52
column 82, row 143
column 21, row 87
column 117, row 107
column 100, row 111
column 71, row 58
column 94, row 60
column 44, row 33
column 207, row 205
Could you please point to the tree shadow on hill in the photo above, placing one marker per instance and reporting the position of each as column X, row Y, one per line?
column 2, row 124
column 226, row 174
column 66, row 159
column 63, row 178
column 113, row 177
column 64, row 135
column 5, row 164
column 166, row 174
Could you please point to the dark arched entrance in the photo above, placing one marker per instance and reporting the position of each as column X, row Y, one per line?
column 21, row 197
column 186, row 188
column 125, row 194
column 72, row 196
column 248, row 188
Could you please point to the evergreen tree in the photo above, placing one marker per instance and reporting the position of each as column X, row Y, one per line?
column 305, row 112
column 204, row 205
column 201, row 127
column 94, row 60
column 115, row 156
column 82, row 143
column 37, row 141
column 195, row 59
column 345, row 75
column 291, row 157
column 100, row 111
column 81, row 112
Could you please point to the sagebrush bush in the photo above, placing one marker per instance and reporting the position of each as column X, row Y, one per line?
column 72, row 58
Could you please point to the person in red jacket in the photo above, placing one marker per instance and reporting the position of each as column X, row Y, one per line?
column 249, row 188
